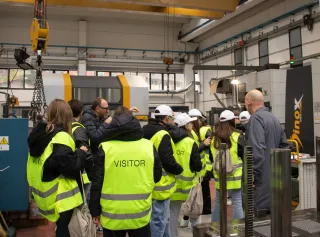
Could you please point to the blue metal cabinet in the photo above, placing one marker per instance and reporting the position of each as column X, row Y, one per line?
column 14, row 195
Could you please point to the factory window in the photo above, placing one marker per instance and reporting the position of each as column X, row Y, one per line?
column 103, row 74
column 263, row 52
column 172, row 81
column 73, row 73
column 295, row 42
column 90, row 73
column 55, row 72
column 112, row 95
column 238, row 57
column 4, row 78
column 16, row 78
column 179, row 81
column 145, row 75
column 131, row 73
column 30, row 78
column 156, row 81
column 115, row 74
column 85, row 94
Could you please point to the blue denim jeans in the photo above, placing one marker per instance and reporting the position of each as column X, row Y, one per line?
column 160, row 218
column 237, row 211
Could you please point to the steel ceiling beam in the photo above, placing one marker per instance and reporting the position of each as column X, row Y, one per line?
column 128, row 7
column 235, row 68
column 212, row 5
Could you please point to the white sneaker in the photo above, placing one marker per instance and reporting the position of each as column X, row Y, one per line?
column 229, row 202
column 189, row 225
column 183, row 223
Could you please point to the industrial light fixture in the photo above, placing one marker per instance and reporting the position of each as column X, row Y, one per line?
column 235, row 82
column 20, row 55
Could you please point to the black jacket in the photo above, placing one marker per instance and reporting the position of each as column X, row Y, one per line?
column 62, row 161
column 95, row 127
column 165, row 151
column 123, row 128
column 81, row 139
column 242, row 127
column 177, row 135
column 80, row 136
column 203, row 146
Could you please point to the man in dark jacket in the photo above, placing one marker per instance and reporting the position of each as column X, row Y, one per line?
column 123, row 128
column 264, row 133
column 79, row 134
column 94, row 120
column 161, row 208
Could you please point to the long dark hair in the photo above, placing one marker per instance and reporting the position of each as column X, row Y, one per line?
column 196, row 128
column 120, row 110
column 223, row 133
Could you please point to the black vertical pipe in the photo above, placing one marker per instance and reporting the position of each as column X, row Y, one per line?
column 223, row 190
column 248, row 189
column 318, row 172
column 281, row 193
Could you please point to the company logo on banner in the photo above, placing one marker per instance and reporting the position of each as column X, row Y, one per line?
column 297, row 121
column 299, row 108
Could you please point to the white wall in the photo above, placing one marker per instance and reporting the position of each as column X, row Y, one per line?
column 15, row 29
column 278, row 52
column 315, row 67
column 273, row 84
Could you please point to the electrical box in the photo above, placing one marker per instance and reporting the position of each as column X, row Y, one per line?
column 14, row 194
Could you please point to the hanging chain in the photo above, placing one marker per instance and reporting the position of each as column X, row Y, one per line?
column 38, row 98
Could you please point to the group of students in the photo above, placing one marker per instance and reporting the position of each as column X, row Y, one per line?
column 138, row 177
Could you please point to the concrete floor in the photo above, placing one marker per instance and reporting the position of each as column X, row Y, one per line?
column 49, row 230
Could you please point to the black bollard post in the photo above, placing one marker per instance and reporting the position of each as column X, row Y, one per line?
column 223, row 190
column 318, row 172
column 248, row 189
column 281, row 193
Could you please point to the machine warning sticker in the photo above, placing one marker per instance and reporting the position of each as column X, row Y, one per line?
column 4, row 143
column 142, row 117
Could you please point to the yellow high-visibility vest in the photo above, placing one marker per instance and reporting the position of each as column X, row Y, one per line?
column 75, row 126
column 58, row 195
column 203, row 132
column 126, row 196
column 202, row 154
column 233, row 180
column 166, row 186
column 188, row 179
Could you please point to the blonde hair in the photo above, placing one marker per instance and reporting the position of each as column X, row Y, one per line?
column 59, row 114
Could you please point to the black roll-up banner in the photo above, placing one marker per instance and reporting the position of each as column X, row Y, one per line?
column 299, row 108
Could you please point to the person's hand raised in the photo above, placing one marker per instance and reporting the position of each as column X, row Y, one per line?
column 108, row 120
column 134, row 110
column 207, row 142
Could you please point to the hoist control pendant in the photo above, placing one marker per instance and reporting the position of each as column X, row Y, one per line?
column 39, row 36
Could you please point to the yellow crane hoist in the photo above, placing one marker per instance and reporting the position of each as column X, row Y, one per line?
column 39, row 27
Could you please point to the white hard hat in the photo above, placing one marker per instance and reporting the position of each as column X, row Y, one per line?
column 163, row 110
column 183, row 119
column 227, row 115
column 195, row 113
column 244, row 116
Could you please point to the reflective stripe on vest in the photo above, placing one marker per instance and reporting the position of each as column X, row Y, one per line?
column 233, row 180
column 203, row 133
column 202, row 154
column 75, row 126
column 58, row 195
column 166, row 186
column 187, row 179
column 127, row 205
